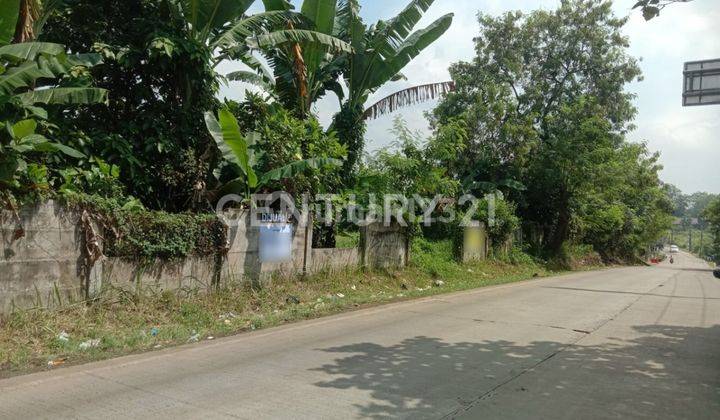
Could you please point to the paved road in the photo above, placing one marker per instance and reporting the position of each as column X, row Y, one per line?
column 622, row 343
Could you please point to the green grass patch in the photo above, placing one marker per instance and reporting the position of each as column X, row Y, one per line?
column 347, row 240
column 122, row 323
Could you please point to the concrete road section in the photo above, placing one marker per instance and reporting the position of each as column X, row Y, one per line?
column 638, row 342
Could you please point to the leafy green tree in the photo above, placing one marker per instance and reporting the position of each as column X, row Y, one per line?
column 151, row 128
column 544, row 103
column 381, row 51
column 712, row 216
column 284, row 138
column 242, row 152
column 698, row 202
column 678, row 199
column 407, row 167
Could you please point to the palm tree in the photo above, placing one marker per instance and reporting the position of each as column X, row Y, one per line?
column 380, row 53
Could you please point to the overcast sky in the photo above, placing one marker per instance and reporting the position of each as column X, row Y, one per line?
column 687, row 138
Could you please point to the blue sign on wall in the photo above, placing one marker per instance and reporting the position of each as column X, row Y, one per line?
column 276, row 242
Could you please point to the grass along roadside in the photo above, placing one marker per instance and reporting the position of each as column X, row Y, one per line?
column 122, row 323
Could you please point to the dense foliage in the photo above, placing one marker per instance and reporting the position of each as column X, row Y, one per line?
column 712, row 215
column 537, row 119
column 246, row 155
column 693, row 227
column 132, row 232
column 160, row 83
column 305, row 68
column 544, row 105
column 34, row 76
column 282, row 139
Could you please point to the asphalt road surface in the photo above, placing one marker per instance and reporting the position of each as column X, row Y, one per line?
column 623, row 343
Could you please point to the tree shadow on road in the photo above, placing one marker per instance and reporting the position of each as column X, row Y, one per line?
column 665, row 370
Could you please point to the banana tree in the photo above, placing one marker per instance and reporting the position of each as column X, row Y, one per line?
column 223, row 26
column 305, row 55
column 25, row 65
column 380, row 53
column 239, row 151
column 22, row 20
column 22, row 68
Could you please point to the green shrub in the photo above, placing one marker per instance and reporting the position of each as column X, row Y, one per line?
column 517, row 256
column 133, row 232
column 573, row 256
column 437, row 258
column 149, row 234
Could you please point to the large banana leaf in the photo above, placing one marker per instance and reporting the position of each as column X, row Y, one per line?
column 257, row 65
column 409, row 96
column 252, row 78
column 236, row 186
column 297, row 168
column 322, row 14
column 349, row 25
column 242, row 29
column 64, row 96
column 226, row 133
column 384, row 70
column 58, row 64
column 9, row 13
column 204, row 16
column 22, row 76
column 277, row 5
column 29, row 50
column 299, row 36
column 400, row 26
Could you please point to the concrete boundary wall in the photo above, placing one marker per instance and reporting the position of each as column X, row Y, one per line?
column 42, row 259
column 41, row 263
column 384, row 246
column 329, row 260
